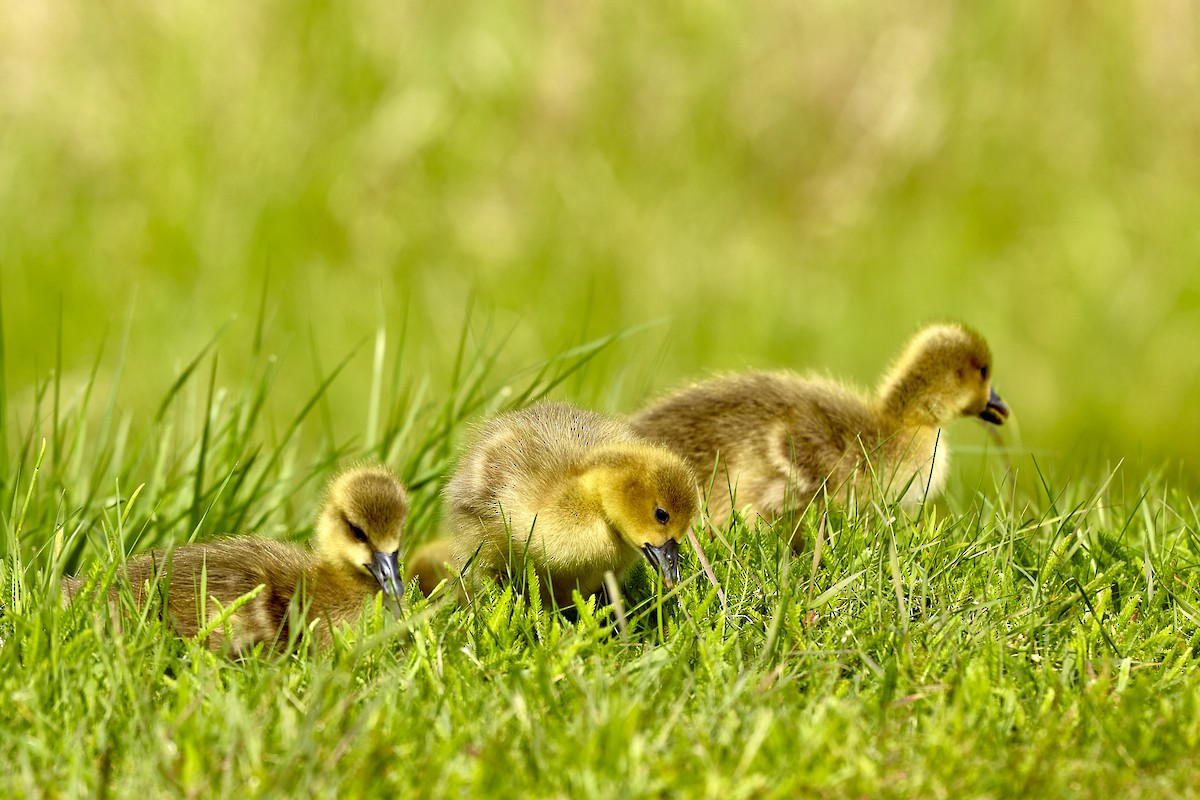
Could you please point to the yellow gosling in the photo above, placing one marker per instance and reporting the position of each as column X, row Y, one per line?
column 778, row 440
column 573, row 492
column 358, row 536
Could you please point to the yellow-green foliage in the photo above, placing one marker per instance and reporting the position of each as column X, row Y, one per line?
column 788, row 183
column 784, row 183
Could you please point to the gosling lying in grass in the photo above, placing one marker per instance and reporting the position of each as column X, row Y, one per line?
column 778, row 440
column 358, row 536
column 572, row 492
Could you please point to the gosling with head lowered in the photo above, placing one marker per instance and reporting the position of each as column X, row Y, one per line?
column 358, row 536
column 777, row 441
column 573, row 492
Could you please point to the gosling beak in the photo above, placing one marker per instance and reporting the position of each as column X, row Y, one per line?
column 995, row 412
column 666, row 559
column 386, row 570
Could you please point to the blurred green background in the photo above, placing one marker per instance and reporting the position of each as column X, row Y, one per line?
column 776, row 183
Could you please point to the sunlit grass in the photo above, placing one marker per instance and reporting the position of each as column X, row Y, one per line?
column 1025, row 637
column 243, row 244
column 788, row 185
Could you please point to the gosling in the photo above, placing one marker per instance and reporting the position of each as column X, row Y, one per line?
column 778, row 441
column 358, row 535
column 572, row 492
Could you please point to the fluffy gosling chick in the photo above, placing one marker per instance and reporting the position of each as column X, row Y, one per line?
column 573, row 492
column 358, row 536
column 776, row 438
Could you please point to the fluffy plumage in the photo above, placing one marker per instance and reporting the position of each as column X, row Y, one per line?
column 777, row 439
column 358, row 535
column 574, row 492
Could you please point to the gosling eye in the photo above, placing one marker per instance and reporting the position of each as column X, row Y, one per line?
column 661, row 515
column 983, row 372
column 358, row 532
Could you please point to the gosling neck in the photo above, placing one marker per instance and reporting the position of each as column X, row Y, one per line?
column 904, row 400
column 322, row 551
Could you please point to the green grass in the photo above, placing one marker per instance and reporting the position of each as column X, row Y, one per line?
column 242, row 244
column 787, row 184
column 1035, row 635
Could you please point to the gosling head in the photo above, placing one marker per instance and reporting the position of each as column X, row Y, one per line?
column 361, row 525
column 649, row 497
column 944, row 372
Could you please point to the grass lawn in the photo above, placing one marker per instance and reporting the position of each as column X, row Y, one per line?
column 1031, row 635
column 242, row 244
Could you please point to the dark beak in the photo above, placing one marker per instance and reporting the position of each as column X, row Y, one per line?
column 386, row 570
column 666, row 559
column 995, row 412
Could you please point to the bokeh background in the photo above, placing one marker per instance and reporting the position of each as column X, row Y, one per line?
column 767, row 184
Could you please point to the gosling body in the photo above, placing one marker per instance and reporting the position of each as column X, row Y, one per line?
column 358, row 535
column 773, row 442
column 572, row 492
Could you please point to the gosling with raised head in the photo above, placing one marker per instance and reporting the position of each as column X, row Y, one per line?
column 775, row 441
